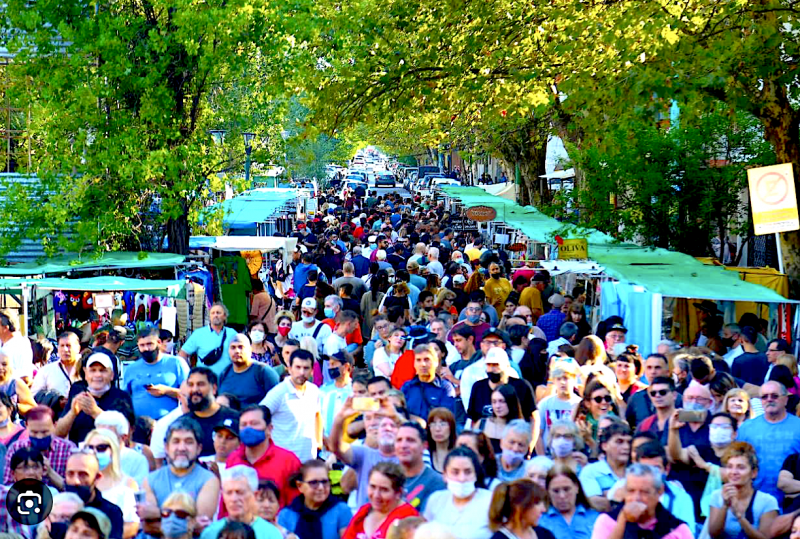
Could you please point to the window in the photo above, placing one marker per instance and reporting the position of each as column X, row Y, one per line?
column 15, row 154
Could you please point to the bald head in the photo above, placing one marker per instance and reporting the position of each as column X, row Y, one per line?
column 696, row 390
column 773, row 399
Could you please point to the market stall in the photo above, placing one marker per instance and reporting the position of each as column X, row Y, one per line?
column 637, row 283
column 260, row 212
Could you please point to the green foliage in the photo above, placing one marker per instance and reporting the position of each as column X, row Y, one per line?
column 676, row 188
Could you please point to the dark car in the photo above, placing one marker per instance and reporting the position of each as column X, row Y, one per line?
column 384, row 179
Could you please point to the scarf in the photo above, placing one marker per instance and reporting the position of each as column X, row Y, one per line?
column 309, row 521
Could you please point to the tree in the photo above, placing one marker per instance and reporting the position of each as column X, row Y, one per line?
column 122, row 97
column 675, row 187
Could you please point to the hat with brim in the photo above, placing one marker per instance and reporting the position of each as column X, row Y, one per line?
column 101, row 358
column 95, row 519
column 617, row 327
column 229, row 424
column 708, row 306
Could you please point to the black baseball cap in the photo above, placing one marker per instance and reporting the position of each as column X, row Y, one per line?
column 229, row 424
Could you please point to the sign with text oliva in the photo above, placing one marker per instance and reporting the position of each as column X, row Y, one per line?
column 573, row 249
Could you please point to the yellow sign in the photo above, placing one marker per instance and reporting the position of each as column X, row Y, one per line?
column 773, row 199
column 576, row 249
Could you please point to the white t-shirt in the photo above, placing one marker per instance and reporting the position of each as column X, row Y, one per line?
column 19, row 350
column 381, row 357
column 551, row 409
column 334, row 344
column 470, row 521
column 294, row 417
column 299, row 330
column 157, row 443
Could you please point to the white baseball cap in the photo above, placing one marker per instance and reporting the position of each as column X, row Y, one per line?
column 309, row 303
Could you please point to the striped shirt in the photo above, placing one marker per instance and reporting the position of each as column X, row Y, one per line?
column 332, row 401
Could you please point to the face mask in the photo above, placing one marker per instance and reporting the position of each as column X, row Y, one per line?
column 719, row 435
column 252, row 437
column 284, row 331
column 41, row 444
column 495, row 275
column 728, row 342
column 473, row 318
column 308, row 319
column 3, row 423
column 512, row 458
column 103, row 459
column 494, row 377
column 258, row 336
column 172, row 526
column 99, row 392
column 373, row 246
column 170, row 347
column 150, row 356
column 329, row 313
column 461, row 489
column 83, row 492
column 335, row 372
column 694, row 407
column 562, row 447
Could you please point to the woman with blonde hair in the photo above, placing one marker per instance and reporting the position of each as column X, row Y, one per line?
column 564, row 440
column 737, row 403
column 178, row 514
column 791, row 362
column 115, row 486
column 444, row 301
column 591, row 356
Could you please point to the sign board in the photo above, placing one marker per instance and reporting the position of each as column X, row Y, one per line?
column 576, row 249
column 773, row 199
column 481, row 214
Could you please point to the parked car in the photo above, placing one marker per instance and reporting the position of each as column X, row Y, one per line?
column 384, row 178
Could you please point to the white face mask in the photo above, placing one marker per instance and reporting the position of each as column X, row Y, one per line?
column 99, row 392
column 461, row 489
column 719, row 435
column 257, row 336
column 308, row 319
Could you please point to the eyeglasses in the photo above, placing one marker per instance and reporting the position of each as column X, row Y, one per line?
column 316, row 483
column 439, row 424
column 607, row 398
column 492, row 342
column 660, row 392
column 771, row 396
column 99, row 448
column 772, row 350
column 180, row 513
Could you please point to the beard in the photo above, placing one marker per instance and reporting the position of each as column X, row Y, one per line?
column 386, row 442
column 181, row 462
column 199, row 406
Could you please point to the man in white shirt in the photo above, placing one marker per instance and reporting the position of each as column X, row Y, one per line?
column 158, row 437
column 477, row 371
column 309, row 326
column 16, row 347
column 567, row 334
column 730, row 337
column 59, row 375
column 296, row 409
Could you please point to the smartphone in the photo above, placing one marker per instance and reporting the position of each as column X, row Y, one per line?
column 690, row 416
column 140, row 496
column 366, row 404
column 148, row 386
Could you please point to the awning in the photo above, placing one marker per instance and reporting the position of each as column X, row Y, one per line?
column 154, row 287
column 253, row 207
column 245, row 243
column 661, row 271
column 111, row 260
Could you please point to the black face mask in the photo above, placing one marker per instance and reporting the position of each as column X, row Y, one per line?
column 335, row 373
column 727, row 341
column 83, row 492
column 495, row 275
column 150, row 356
column 494, row 377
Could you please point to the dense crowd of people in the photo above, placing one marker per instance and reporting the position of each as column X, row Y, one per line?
column 401, row 379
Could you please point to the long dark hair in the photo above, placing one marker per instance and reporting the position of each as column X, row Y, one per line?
column 379, row 283
column 485, row 451
column 512, row 401
column 468, row 453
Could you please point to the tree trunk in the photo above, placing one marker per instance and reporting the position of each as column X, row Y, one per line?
column 178, row 233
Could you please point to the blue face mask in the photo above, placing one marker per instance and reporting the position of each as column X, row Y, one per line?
column 513, row 458
column 329, row 313
column 473, row 318
column 103, row 459
column 252, row 437
column 173, row 526
column 694, row 407
column 41, row 444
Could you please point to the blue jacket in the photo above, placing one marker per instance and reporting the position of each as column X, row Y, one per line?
column 361, row 265
column 422, row 397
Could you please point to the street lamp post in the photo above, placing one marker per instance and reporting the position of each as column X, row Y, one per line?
column 248, row 149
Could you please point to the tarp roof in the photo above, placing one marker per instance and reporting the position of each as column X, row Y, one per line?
column 253, row 207
column 111, row 260
column 245, row 243
column 661, row 271
column 155, row 287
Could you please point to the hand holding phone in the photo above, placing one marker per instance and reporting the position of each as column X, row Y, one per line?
column 366, row 404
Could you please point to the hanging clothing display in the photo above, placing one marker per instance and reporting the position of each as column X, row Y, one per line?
column 234, row 281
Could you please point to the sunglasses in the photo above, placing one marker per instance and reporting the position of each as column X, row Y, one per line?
column 316, row 483
column 180, row 513
column 770, row 396
column 659, row 392
column 606, row 398
column 99, row 448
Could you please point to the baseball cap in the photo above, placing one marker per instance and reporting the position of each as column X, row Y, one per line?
column 617, row 327
column 101, row 358
column 308, row 303
column 458, row 279
column 229, row 424
column 96, row 519
column 499, row 333
column 556, row 300
column 496, row 356
column 372, row 239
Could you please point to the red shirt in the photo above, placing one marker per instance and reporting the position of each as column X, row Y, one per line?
column 277, row 464
column 351, row 338
column 356, row 528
